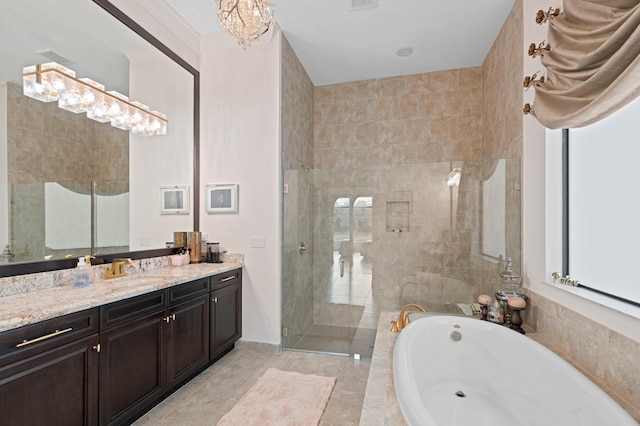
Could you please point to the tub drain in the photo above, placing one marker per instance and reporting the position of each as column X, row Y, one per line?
column 460, row 394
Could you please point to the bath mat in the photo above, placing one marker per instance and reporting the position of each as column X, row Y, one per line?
column 282, row 398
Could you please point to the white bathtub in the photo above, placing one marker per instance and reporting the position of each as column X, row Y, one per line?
column 491, row 376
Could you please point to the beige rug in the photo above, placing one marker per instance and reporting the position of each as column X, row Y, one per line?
column 282, row 398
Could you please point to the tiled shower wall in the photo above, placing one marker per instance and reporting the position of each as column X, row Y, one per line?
column 48, row 144
column 297, row 164
column 397, row 139
column 415, row 119
column 502, row 75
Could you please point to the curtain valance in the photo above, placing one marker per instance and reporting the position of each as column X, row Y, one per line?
column 593, row 67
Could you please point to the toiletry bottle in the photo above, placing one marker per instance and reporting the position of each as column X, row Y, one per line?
column 81, row 274
column 92, row 273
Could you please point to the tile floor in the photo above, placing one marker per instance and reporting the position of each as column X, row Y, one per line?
column 210, row 395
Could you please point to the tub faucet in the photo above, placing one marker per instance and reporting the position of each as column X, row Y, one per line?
column 403, row 317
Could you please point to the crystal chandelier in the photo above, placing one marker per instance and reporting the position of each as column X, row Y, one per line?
column 246, row 20
column 53, row 82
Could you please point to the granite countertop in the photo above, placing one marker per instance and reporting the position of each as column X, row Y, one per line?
column 26, row 308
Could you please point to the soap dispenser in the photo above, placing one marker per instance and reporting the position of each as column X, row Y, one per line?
column 92, row 273
column 82, row 272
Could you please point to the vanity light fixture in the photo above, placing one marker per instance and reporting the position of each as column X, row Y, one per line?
column 246, row 20
column 53, row 82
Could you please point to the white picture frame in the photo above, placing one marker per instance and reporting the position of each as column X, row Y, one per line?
column 221, row 198
column 174, row 199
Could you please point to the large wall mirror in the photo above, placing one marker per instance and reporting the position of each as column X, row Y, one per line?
column 71, row 185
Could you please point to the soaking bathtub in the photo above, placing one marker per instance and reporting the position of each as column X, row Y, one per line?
column 450, row 370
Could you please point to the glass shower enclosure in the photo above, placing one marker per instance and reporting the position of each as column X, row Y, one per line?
column 357, row 242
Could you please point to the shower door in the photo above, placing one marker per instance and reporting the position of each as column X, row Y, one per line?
column 326, row 276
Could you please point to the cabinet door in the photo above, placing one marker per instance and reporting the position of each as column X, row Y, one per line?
column 226, row 318
column 131, row 368
column 188, row 342
column 55, row 387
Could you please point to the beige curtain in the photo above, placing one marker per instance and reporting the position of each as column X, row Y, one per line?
column 593, row 68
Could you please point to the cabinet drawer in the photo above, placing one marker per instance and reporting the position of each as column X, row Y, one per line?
column 129, row 309
column 35, row 338
column 187, row 291
column 226, row 278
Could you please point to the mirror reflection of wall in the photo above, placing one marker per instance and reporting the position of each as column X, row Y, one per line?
column 494, row 204
column 46, row 144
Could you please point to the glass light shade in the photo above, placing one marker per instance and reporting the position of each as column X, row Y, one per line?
column 158, row 126
column 71, row 98
column 45, row 82
column 141, row 128
column 137, row 112
column 94, row 97
column 118, row 110
column 98, row 111
column 79, row 95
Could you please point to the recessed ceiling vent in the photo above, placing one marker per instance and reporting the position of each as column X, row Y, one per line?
column 362, row 4
column 53, row 56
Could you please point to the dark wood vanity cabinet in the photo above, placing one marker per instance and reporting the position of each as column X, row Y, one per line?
column 111, row 364
column 49, row 372
column 188, row 340
column 131, row 361
column 162, row 343
column 226, row 312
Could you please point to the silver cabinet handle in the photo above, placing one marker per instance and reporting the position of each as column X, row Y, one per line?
column 341, row 267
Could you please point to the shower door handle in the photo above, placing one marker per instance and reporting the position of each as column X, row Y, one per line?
column 342, row 267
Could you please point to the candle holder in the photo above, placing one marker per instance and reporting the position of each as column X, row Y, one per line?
column 516, row 304
column 484, row 301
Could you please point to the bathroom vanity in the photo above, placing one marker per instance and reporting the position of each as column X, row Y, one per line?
column 141, row 338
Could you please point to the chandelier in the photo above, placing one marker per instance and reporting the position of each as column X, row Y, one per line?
column 53, row 82
column 246, row 20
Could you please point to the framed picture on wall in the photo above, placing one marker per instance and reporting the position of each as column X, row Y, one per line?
column 222, row 198
column 174, row 199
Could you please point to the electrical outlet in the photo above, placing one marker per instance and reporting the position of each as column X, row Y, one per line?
column 258, row 242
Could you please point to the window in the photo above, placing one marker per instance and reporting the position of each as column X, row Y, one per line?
column 602, row 245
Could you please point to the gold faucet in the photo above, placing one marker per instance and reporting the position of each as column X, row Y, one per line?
column 117, row 268
column 403, row 318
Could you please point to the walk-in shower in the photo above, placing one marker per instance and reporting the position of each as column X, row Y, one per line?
column 380, row 237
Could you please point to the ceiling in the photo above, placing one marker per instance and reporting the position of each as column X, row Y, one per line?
column 336, row 44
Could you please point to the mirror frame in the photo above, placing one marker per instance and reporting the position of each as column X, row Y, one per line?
column 58, row 264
